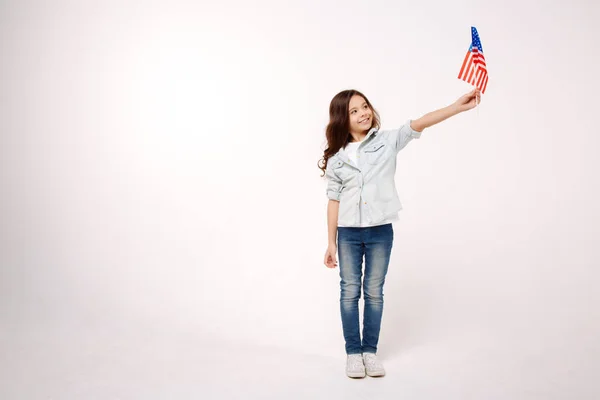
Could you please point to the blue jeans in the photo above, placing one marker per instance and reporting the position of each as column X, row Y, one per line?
column 375, row 244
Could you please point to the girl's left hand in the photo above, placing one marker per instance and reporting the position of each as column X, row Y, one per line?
column 469, row 100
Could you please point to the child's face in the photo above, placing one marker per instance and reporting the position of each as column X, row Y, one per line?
column 361, row 116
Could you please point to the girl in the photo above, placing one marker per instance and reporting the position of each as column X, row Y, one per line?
column 359, row 164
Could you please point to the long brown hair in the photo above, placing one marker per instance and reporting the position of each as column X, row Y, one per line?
column 338, row 129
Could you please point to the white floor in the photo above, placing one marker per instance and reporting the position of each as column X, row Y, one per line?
column 64, row 364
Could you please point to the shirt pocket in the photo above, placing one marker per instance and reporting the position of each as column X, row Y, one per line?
column 341, row 170
column 377, row 152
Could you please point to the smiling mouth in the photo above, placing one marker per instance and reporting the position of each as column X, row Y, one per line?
column 364, row 120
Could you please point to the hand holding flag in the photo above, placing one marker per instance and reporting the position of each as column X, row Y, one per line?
column 468, row 101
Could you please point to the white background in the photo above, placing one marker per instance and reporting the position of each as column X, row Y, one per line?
column 161, row 199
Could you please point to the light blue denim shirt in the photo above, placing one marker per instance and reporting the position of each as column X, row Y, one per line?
column 367, row 191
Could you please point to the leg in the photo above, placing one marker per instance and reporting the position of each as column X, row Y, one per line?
column 350, row 252
column 378, row 248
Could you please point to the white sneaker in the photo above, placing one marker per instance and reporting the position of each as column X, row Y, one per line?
column 354, row 366
column 373, row 365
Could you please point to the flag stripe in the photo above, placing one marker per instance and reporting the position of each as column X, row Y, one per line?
column 480, row 76
column 466, row 60
column 471, row 74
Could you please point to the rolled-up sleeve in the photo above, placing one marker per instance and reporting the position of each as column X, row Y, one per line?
column 401, row 136
column 334, row 183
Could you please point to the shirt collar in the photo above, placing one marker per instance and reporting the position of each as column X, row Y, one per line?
column 372, row 132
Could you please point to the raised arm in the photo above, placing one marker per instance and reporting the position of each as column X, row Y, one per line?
column 464, row 103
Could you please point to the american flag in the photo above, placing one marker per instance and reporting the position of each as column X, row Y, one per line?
column 474, row 70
